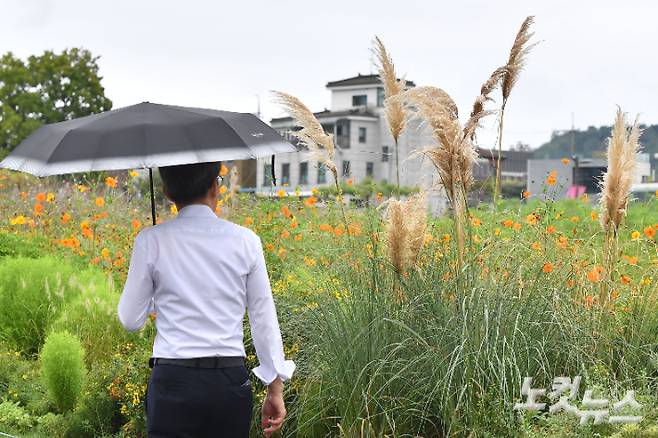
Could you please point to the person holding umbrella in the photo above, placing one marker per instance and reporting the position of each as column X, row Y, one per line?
column 199, row 273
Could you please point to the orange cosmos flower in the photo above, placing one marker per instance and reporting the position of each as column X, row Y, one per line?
column 38, row 209
column 222, row 190
column 566, row 161
column 65, row 218
column 95, row 260
column 23, row 195
column 594, row 275
column 40, row 197
column 446, row 238
column 552, row 178
column 562, row 242
column 223, row 171
column 285, row 211
column 269, row 247
column 594, row 215
column 248, row 220
column 111, row 182
column 575, row 219
column 285, row 234
column 536, row 246
column 339, row 230
column 293, row 223
column 136, row 224
column 476, row 222
column 517, row 226
column 311, row 201
column 325, row 227
column 100, row 201
column 625, row 279
column 508, row 223
column 630, row 259
column 349, row 182
column 550, row 229
column 526, row 194
column 298, row 237
column 532, row 218
column 650, row 232
column 547, row 268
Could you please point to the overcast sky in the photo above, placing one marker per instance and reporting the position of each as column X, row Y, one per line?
column 593, row 54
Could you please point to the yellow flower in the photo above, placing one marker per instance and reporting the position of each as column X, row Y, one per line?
column 222, row 190
column 476, row 222
column 133, row 173
column 18, row 220
column 82, row 188
column 635, row 235
column 594, row 215
column 173, row 209
column 281, row 193
column 50, row 197
column 532, row 219
column 105, row 252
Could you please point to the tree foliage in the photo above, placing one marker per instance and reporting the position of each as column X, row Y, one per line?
column 47, row 88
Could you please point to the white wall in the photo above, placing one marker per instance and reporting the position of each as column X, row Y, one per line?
column 341, row 99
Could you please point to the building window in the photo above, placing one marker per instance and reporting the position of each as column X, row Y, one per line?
column 339, row 129
column 362, row 135
column 370, row 169
column 381, row 97
column 267, row 175
column 385, row 153
column 322, row 174
column 346, row 168
column 285, row 173
column 360, row 100
column 303, row 173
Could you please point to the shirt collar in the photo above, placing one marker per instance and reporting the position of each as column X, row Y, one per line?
column 196, row 210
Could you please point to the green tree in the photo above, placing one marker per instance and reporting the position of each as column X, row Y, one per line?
column 46, row 89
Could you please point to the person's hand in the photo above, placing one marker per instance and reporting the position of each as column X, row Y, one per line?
column 274, row 410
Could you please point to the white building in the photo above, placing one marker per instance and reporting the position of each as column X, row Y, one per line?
column 364, row 145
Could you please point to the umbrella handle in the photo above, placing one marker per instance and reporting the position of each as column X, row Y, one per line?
column 152, row 195
column 273, row 175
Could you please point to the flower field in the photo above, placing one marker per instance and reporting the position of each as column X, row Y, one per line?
column 429, row 347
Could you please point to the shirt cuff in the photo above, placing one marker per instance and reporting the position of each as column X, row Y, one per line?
column 267, row 374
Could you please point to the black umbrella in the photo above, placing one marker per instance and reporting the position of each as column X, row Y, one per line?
column 145, row 135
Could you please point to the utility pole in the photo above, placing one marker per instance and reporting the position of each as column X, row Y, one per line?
column 573, row 154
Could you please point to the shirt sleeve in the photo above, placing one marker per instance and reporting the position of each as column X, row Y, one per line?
column 264, row 324
column 137, row 297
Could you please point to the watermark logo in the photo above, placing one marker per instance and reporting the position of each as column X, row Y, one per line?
column 565, row 390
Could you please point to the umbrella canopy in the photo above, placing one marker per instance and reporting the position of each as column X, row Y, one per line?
column 145, row 135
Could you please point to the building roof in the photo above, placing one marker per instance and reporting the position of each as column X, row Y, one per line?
column 328, row 114
column 360, row 80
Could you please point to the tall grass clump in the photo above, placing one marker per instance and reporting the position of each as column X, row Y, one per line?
column 623, row 147
column 63, row 369
column 510, row 75
column 32, row 294
column 395, row 114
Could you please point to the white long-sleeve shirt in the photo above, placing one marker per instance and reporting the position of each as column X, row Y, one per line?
column 198, row 273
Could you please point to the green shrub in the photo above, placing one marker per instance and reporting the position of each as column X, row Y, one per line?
column 12, row 245
column 96, row 414
column 14, row 417
column 32, row 295
column 52, row 425
column 63, row 369
column 92, row 317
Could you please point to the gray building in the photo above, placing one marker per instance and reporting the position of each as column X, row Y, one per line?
column 586, row 172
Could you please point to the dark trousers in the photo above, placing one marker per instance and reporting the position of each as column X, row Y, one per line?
column 187, row 402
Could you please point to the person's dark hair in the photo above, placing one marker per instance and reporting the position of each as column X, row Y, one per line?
column 189, row 182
